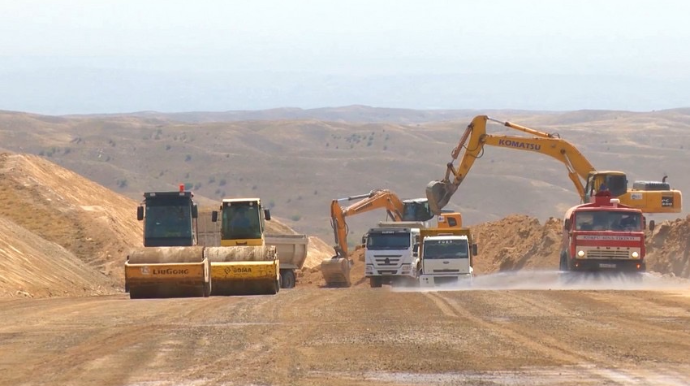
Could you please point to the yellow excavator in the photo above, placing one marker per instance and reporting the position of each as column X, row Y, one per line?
column 336, row 271
column 648, row 196
column 170, row 264
column 243, row 264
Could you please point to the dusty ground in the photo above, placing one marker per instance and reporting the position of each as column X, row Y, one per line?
column 358, row 336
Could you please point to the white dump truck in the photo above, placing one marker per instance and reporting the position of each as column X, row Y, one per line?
column 446, row 256
column 291, row 249
column 390, row 254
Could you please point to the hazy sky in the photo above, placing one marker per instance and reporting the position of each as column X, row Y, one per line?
column 642, row 39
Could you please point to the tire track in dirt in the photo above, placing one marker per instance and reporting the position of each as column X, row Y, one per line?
column 265, row 345
column 538, row 343
column 131, row 345
column 593, row 364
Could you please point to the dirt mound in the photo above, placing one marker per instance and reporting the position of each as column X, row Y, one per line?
column 95, row 224
column 668, row 248
column 517, row 242
column 33, row 267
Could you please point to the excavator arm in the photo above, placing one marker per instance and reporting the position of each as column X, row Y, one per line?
column 375, row 199
column 471, row 146
column 580, row 171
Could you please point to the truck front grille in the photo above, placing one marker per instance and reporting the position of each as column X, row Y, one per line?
column 387, row 260
column 608, row 254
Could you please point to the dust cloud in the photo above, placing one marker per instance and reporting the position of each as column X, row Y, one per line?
column 557, row 280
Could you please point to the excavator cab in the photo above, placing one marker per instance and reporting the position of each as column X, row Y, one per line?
column 648, row 196
column 615, row 182
column 417, row 210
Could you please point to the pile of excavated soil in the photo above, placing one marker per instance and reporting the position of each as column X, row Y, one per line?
column 517, row 242
column 668, row 248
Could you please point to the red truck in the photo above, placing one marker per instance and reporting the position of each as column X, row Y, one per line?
column 603, row 235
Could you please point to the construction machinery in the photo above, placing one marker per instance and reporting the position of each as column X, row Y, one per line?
column 170, row 263
column 291, row 248
column 336, row 271
column 446, row 256
column 648, row 196
column 603, row 236
column 243, row 263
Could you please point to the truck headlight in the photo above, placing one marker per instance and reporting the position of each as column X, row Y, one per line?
column 406, row 268
column 635, row 255
column 369, row 269
column 581, row 253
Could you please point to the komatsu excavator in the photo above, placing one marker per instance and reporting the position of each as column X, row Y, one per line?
column 336, row 271
column 170, row 263
column 648, row 196
column 243, row 264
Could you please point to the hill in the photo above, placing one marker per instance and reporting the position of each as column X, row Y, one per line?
column 299, row 166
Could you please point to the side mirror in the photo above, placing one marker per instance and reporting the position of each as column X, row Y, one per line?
column 652, row 225
column 566, row 224
column 140, row 213
column 214, row 216
column 267, row 214
column 415, row 250
column 195, row 211
column 475, row 251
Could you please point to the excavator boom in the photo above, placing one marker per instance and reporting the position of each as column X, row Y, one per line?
column 581, row 172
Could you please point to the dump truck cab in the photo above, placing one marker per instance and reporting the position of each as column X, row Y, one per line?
column 244, row 263
column 603, row 235
column 390, row 256
column 169, row 218
column 446, row 256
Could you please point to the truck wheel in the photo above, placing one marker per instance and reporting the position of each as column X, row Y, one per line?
column 288, row 279
column 375, row 282
column 563, row 262
column 207, row 289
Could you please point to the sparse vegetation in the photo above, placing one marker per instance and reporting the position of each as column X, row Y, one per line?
column 121, row 183
column 295, row 217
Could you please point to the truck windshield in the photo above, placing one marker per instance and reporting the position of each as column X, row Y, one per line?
column 240, row 221
column 445, row 249
column 168, row 219
column 398, row 240
column 608, row 221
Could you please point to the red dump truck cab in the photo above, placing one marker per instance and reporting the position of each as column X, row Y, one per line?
column 603, row 235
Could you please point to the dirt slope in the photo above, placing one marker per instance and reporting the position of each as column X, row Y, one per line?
column 668, row 249
column 95, row 224
column 33, row 267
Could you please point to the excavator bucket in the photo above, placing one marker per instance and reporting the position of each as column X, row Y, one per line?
column 244, row 270
column 161, row 272
column 336, row 272
column 439, row 193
